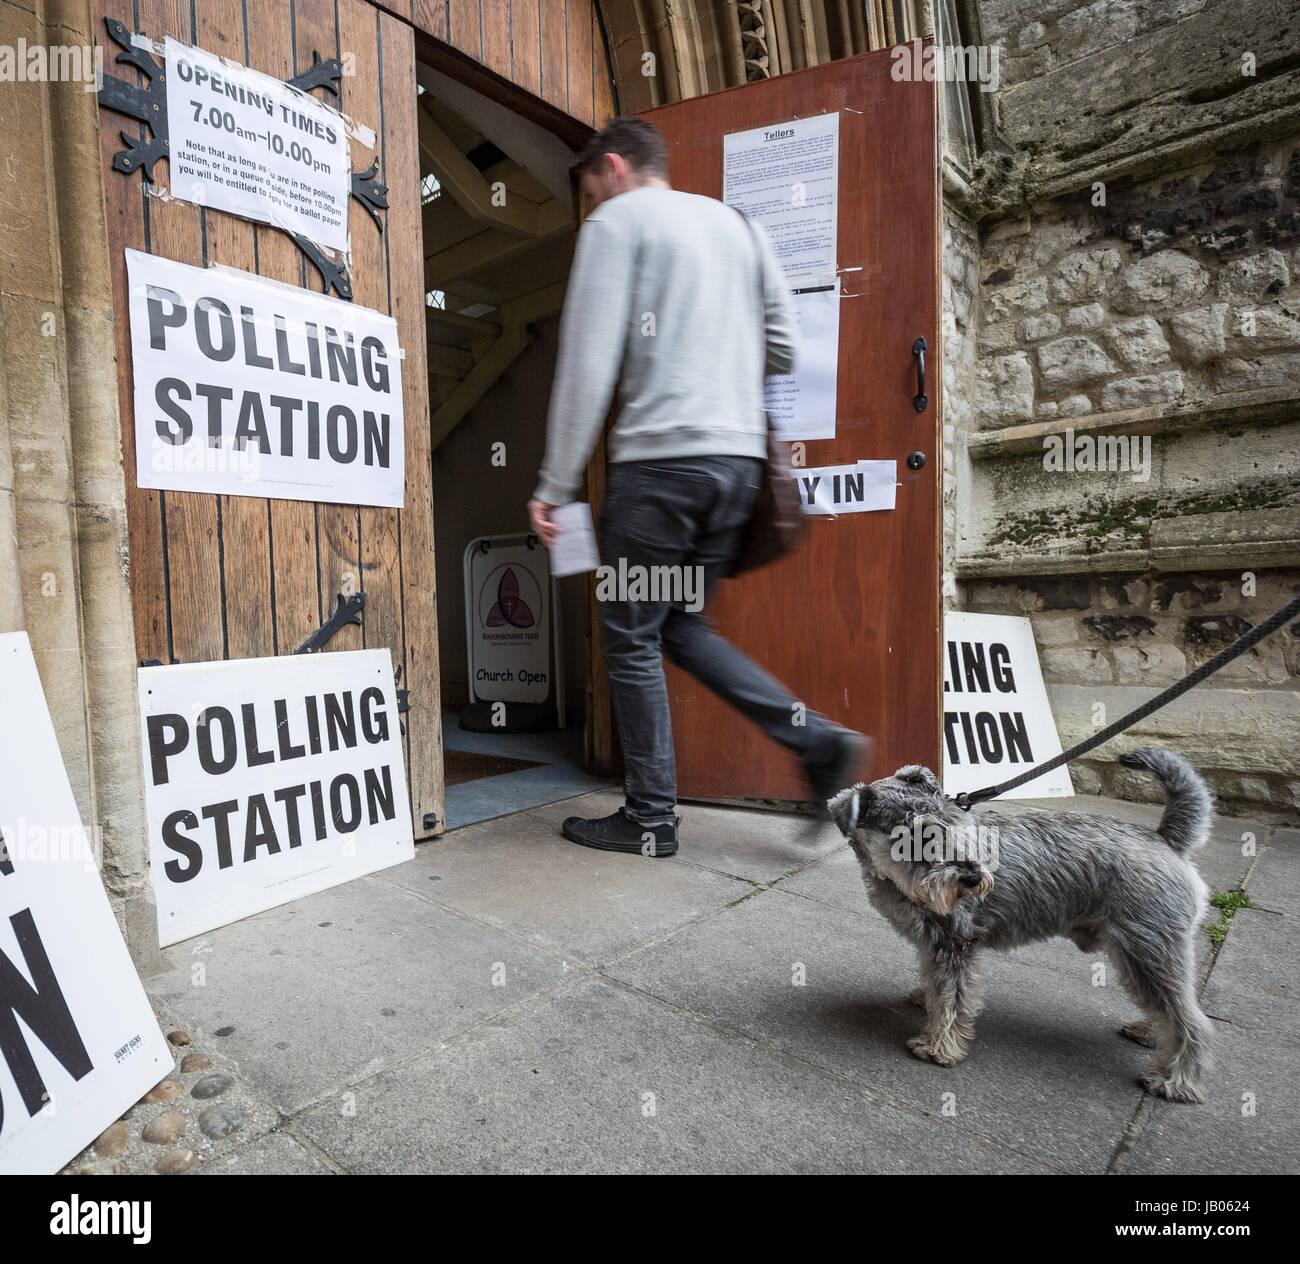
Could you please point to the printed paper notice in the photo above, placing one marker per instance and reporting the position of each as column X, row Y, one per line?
column 801, row 403
column 842, row 489
column 786, row 176
column 251, row 145
column 574, row 550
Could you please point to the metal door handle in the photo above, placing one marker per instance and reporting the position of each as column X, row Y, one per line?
column 921, row 399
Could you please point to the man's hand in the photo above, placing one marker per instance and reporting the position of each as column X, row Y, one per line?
column 539, row 514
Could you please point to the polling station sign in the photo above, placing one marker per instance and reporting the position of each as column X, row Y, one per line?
column 997, row 721
column 245, row 387
column 243, row 142
column 79, row 1043
column 267, row 779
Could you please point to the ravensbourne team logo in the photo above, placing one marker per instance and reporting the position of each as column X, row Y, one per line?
column 509, row 600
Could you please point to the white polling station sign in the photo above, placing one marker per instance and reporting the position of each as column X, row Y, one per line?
column 79, row 1043
column 997, row 721
column 243, row 142
column 267, row 779
column 246, row 387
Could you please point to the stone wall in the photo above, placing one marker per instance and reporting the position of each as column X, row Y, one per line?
column 1107, row 641
column 63, row 533
column 1137, row 304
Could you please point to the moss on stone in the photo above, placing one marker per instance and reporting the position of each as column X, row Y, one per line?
column 1132, row 519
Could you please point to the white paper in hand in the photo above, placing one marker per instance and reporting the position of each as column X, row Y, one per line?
column 574, row 550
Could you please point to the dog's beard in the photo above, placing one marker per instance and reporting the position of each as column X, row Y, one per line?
column 941, row 890
column 938, row 888
column 945, row 890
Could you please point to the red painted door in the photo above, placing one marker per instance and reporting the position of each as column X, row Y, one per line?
column 852, row 621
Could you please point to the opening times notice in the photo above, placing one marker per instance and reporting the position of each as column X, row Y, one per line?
column 249, row 144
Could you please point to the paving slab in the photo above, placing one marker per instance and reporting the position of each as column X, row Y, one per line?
column 1275, row 881
column 596, row 1080
column 277, row 1154
column 518, row 874
column 1253, row 983
column 834, row 879
column 1246, row 1125
column 749, row 843
column 1048, row 1075
column 319, row 993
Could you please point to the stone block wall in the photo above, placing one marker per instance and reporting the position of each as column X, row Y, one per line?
column 1106, row 642
column 1136, row 210
column 1173, row 291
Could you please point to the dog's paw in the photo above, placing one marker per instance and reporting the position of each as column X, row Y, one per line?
column 939, row 1055
column 1171, row 1090
column 917, row 996
column 1140, row 1031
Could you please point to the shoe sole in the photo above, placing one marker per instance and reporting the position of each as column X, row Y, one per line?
column 857, row 750
column 621, row 848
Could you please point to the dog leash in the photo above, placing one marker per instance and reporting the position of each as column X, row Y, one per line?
column 967, row 799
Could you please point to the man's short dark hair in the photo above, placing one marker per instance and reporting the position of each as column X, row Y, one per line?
column 639, row 143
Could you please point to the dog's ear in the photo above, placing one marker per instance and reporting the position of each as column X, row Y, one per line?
column 846, row 808
column 917, row 775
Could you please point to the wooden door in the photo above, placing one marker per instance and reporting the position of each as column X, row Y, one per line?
column 221, row 577
column 851, row 623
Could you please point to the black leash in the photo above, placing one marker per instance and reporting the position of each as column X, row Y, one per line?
column 967, row 799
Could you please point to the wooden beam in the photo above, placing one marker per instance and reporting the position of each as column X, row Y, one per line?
column 515, row 318
column 476, row 324
column 479, row 251
column 455, row 359
column 473, row 192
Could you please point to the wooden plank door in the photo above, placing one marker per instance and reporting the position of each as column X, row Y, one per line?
column 851, row 623
column 222, row 577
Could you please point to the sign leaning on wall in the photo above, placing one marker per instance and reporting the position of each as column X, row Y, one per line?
column 267, row 779
column 997, row 721
column 79, row 1043
column 247, row 387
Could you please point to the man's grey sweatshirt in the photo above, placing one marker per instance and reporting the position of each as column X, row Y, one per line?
column 663, row 300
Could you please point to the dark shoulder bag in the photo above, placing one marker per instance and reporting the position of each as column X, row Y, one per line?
column 777, row 523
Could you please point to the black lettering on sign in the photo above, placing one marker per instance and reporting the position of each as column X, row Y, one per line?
column 968, row 669
column 1000, row 661
column 168, row 736
column 43, row 1009
column 987, row 738
column 182, row 844
column 6, row 861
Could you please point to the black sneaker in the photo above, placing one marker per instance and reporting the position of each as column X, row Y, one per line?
column 619, row 832
column 831, row 775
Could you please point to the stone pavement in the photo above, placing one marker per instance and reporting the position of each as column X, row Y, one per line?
column 508, row 1002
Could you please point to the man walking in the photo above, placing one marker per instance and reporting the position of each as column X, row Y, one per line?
column 664, row 304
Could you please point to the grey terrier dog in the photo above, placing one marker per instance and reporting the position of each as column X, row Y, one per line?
column 955, row 883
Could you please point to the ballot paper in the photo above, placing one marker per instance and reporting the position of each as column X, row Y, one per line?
column 574, row 549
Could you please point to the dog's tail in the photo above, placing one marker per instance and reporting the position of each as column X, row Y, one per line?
column 1186, row 822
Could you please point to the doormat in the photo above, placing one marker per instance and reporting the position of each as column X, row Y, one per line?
column 460, row 766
